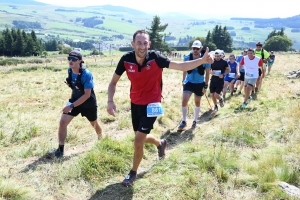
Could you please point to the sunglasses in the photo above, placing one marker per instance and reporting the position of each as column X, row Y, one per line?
column 231, row 58
column 74, row 59
column 195, row 48
column 258, row 45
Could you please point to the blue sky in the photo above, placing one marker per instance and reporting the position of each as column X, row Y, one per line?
column 204, row 9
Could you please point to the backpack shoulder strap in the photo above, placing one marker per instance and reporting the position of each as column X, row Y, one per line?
column 262, row 54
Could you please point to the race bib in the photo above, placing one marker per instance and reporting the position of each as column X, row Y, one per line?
column 231, row 75
column 217, row 72
column 155, row 110
column 249, row 75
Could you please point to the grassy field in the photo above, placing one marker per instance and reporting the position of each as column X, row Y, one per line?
column 239, row 154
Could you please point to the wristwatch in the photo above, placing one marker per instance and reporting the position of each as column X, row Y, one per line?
column 72, row 105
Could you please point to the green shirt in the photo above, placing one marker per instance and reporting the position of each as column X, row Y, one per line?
column 259, row 54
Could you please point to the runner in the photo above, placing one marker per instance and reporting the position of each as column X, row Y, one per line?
column 264, row 55
column 240, row 81
column 144, row 70
column 83, row 101
column 193, row 82
column 271, row 62
column 230, row 78
column 218, row 70
column 251, row 64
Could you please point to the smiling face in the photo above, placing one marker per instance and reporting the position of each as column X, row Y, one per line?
column 141, row 44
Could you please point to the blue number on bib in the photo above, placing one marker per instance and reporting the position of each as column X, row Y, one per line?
column 250, row 75
column 155, row 110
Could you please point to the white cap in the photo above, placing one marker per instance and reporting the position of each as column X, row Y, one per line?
column 197, row 44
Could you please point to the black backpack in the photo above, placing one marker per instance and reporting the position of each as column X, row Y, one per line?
column 78, row 83
column 201, row 68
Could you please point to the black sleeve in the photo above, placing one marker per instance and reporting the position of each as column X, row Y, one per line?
column 120, row 68
column 162, row 61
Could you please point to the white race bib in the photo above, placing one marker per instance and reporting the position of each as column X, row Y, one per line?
column 217, row 72
column 249, row 75
column 231, row 75
column 155, row 110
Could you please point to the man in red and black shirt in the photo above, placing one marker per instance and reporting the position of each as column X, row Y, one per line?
column 144, row 70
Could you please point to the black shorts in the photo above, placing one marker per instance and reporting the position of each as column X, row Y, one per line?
column 216, row 87
column 195, row 88
column 259, row 71
column 89, row 113
column 242, row 76
column 140, row 121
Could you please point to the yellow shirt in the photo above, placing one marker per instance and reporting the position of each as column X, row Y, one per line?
column 258, row 54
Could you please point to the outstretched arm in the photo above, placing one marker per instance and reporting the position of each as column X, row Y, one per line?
column 189, row 65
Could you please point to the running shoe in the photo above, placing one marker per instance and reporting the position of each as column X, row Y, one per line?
column 129, row 180
column 221, row 102
column 182, row 126
column 57, row 154
column 216, row 108
column 162, row 149
column 194, row 125
column 244, row 105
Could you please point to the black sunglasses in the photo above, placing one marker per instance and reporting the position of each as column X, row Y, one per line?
column 195, row 48
column 74, row 59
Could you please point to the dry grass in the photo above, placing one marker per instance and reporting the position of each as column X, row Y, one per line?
column 239, row 154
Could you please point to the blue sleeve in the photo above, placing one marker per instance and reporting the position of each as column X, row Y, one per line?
column 87, row 79
column 206, row 66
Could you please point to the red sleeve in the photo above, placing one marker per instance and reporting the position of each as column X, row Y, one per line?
column 242, row 61
column 260, row 63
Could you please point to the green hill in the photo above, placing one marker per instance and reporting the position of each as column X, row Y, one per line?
column 102, row 22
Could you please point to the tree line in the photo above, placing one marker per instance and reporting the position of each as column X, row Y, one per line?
column 19, row 43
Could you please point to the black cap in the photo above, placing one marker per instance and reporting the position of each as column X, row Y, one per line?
column 76, row 54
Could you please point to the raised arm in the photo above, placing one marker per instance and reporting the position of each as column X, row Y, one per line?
column 189, row 65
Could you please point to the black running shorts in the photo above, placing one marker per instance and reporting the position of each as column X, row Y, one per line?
column 140, row 121
column 89, row 113
column 242, row 76
column 195, row 88
column 216, row 87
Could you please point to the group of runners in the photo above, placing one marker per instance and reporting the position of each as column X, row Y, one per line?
column 235, row 74
column 144, row 69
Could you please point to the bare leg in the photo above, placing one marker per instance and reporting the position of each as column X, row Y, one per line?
column 62, row 130
column 97, row 128
column 140, row 139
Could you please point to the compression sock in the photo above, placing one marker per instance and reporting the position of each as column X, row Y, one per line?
column 132, row 172
column 184, row 113
column 196, row 113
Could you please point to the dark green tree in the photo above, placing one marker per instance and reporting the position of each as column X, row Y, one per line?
column 278, row 43
column 19, row 44
column 36, row 45
column 8, row 41
column 156, row 33
column 221, row 38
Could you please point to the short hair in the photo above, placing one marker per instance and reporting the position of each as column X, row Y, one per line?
column 259, row 44
column 232, row 55
column 140, row 32
column 250, row 49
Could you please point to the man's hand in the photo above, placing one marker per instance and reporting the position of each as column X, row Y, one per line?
column 111, row 108
column 204, row 89
column 67, row 109
column 221, row 76
column 207, row 57
column 238, row 75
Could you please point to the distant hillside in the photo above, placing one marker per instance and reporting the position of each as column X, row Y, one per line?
column 22, row 2
column 277, row 23
column 119, row 9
